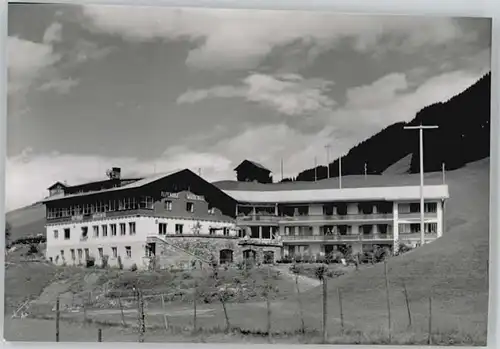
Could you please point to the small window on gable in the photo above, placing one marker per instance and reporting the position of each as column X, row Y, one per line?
column 189, row 207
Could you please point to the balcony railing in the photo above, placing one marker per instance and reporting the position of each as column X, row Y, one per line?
column 416, row 215
column 360, row 237
column 269, row 218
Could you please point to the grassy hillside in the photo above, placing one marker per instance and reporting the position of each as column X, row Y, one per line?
column 463, row 136
column 26, row 221
column 453, row 271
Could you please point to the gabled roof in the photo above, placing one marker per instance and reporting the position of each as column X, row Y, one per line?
column 57, row 184
column 137, row 184
column 256, row 164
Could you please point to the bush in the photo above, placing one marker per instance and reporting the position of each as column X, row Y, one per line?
column 133, row 267
column 104, row 261
column 33, row 249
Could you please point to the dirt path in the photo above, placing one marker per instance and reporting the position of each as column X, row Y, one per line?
column 305, row 283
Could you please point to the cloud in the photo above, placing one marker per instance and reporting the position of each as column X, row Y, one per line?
column 85, row 50
column 53, row 33
column 29, row 174
column 240, row 39
column 26, row 61
column 60, row 86
column 289, row 94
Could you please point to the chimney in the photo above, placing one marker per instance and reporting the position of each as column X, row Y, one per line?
column 116, row 172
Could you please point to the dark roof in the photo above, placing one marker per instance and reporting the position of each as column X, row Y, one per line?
column 256, row 164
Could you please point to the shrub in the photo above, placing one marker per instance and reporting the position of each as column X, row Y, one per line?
column 133, row 267
column 104, row 261
column 33, row 249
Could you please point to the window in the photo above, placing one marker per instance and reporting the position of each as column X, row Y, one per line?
column 113, row 229
column 430, row 207
column 87, row 253
column 96, row 231
column 104, row 230
column 146, row 202
column 414, row 208
column 56, row 234
column 114, row 252
column 80, row 253
column 431, row 228
column 67, row 234
column 168, row 205
column 162, row 228
column 72, row 251
column 189, row 207
column 131, row 228
column 226, row 231
column 86, row 209
column 123, row 229
column 212, row 231
column 100, row 252
column 85, row 231
column 179, row 228
column 62, row 253
column 128, row 251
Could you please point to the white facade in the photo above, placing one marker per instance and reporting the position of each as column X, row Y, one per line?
column 123, row 237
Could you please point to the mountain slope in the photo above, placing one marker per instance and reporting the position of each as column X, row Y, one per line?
column 452, row 270
column 463, row 136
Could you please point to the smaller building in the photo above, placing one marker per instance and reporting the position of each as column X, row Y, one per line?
column 251, row 171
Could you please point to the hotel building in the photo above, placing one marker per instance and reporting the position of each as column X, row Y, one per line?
column 176, row 218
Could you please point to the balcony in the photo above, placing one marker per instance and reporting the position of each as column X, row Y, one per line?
column 322, row 218
column 262, row 242
column 343, row 238
column 314, row 218
column 416, row 216
column 416, row 236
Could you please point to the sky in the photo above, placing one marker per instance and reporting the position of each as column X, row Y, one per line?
column 155, row 89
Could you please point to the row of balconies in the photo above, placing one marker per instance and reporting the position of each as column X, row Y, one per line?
column 329, row 218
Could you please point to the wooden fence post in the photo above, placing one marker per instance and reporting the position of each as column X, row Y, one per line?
column 407, row 304
column 325, row 315
column 195, row 295
column 388, row 301
column 142, row 327
column 341, row 309
column 430, row 322
column 124, row 323
column 165, row 318
column 299, row 301
column 268, row 304
column 58, row 314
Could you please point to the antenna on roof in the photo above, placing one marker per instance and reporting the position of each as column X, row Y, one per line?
column 199, row 171
column 154, row 168
column 315, row 170
column 443, row 169
column 281, row 169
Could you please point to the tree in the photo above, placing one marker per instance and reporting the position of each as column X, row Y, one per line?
column 8, row 229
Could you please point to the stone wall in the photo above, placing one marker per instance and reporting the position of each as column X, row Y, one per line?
column 182, row 252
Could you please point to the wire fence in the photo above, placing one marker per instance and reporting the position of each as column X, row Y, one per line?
column 145, row 310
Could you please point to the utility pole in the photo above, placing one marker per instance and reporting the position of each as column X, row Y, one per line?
column 281, row 169
column 315, row 169
column 340, row 172
column 421, row 146
column 327, row 147
column 444, row 173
